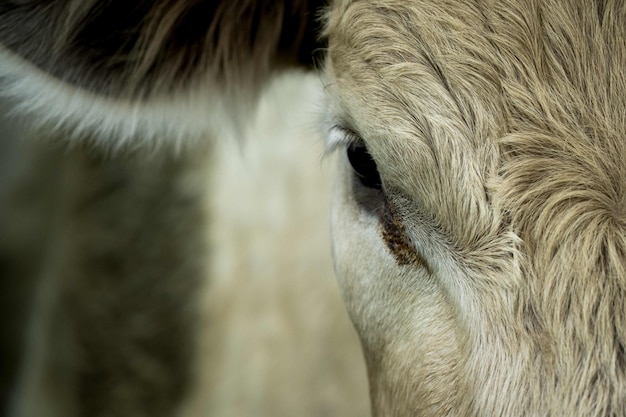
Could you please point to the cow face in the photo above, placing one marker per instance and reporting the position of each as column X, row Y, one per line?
column 478, row 222
column 474, row 223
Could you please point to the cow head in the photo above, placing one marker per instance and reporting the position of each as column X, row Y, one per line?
column 479, row 222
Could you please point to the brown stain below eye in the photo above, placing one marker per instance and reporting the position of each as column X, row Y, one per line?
column 394, row 235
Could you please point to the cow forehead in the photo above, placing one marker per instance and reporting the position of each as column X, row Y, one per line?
column 549, row 67
column 413, row 53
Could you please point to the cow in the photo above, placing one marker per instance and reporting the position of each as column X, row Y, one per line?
column 478, row 227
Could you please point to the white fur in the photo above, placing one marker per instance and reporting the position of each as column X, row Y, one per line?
column 188, row 116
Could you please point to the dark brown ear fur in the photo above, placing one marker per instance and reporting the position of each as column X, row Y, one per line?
column 116, row 46
column 136, row 50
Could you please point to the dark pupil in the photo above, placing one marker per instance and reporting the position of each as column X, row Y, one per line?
column 364, row 166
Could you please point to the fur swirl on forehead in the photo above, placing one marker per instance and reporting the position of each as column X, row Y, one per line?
column 147, row 67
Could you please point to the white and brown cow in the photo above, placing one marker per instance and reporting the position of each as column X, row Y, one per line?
column 479, row 218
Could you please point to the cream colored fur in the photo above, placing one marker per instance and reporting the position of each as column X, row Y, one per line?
column 497, row 128
column 498, row 132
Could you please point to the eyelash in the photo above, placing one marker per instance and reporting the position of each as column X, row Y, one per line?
column 340, row 137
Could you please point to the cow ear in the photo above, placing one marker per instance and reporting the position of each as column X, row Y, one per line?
column 147, row 69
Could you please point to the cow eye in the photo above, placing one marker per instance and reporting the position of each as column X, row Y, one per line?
column 364, row 166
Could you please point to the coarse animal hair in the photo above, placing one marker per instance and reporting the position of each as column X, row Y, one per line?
column 509, row 115
column 485, row 266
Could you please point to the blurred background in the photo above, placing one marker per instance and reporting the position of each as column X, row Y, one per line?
column 245, row 220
